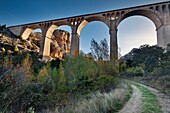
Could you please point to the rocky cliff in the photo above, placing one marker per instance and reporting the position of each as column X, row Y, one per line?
column 60, row 42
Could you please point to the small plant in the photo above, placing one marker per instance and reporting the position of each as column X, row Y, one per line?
column 16, row 49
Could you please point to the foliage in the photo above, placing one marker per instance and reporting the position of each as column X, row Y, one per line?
column 134, row 71
column 153, row 63
column 145, row 53
column 81, row 74
column 26, row 84
column 148, row 58
column 12, row 83
column 100, row 51
column 98, row 102
column 36, row 64
column 122, row 67
column 107, row 68
column 62, row 81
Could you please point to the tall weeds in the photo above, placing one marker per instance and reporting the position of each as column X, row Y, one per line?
column 100, row 102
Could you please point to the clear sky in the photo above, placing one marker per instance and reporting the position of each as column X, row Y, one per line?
column 132, row 32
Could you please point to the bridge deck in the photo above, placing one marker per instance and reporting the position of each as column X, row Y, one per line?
column 91, row 14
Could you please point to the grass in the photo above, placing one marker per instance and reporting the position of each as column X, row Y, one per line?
column 98, row 102
column 160, row 83
column 150, row 103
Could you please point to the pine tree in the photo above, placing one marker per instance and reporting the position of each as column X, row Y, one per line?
column 62, row 81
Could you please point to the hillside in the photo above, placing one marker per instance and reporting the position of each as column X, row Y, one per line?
column 149, row 65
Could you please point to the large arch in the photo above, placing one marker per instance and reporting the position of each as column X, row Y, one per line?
column 135, row 31
column 54, row 26
column 47, row 35
column 90, row 19
column 78, row 26
column 61, row 41
column 154, row 17
column 146, row 13
column 96, row 30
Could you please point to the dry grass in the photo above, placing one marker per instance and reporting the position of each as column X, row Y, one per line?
column 100, row 102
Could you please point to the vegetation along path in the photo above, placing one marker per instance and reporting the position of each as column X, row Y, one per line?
column 146, row 99
column 133, row 105
column 163, row 99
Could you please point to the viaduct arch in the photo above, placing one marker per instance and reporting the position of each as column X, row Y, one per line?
column 158, row 13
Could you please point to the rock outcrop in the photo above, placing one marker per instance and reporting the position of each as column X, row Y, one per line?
column 60, row 42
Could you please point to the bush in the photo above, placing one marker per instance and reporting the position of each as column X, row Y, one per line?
column 79, row 72
column 25, row 87
column 84, row 75
column 13, row 82
column 134, row 71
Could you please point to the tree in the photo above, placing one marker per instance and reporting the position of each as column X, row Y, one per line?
column 100, row 51
column 145, row 52
column 62, row 81
column 95, row 48
column 104, row 49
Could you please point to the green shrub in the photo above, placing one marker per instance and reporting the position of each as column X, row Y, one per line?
column 29, row 85
column 79, row 72
column 135, row 71
column 13, row 82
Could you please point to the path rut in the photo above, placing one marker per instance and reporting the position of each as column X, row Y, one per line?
column 133, row 105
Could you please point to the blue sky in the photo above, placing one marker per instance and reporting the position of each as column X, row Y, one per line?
column 132, row 32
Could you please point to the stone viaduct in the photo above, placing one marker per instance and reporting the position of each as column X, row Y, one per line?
column 158, row 13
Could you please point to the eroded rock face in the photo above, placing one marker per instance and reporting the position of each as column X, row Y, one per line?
column 21, row 44
column 60, row 42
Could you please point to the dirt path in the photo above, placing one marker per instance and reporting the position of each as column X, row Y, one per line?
column 163, row 99
column 133, row 105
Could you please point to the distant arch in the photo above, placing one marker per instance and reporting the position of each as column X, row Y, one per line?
column 90, row 19
column 164, row 9
column 151, row 8
column 158, row 8
column 28, row 30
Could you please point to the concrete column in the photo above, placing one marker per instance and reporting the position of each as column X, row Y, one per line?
column 75, row 44
column 45, row 47
column 163, row 36
column 113, row 45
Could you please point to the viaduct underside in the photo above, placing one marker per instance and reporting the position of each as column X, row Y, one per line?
column 158, row 13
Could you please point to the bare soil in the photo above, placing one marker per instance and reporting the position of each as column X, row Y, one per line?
column 134, row 104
